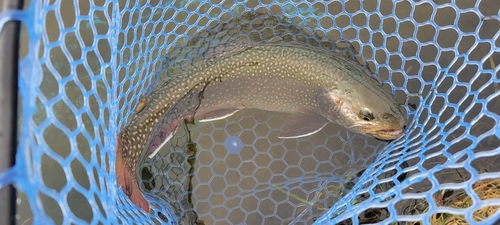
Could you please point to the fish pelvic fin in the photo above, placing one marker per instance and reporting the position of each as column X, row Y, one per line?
column 127, row 181
column 218, row 115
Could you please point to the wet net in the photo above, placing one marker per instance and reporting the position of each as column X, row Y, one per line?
column 86, row 64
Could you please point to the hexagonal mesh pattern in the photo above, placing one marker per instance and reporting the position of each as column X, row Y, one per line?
column 87, row 63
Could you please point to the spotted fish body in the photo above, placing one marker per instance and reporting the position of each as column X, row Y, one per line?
column 315, row 87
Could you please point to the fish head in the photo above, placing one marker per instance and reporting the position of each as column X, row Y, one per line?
column 365, row 108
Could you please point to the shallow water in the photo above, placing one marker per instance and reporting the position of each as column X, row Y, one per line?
column 245, row 186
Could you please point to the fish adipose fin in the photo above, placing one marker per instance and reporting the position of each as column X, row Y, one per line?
column 302, row 124
column 218, row 115
column 127, row 181
column 159, row 137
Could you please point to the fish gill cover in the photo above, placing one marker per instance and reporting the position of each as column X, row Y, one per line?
column 79, row 84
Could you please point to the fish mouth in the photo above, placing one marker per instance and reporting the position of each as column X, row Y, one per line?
column 389, row 134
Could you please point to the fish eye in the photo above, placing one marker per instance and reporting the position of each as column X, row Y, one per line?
column 387, row 116
column 366, row 115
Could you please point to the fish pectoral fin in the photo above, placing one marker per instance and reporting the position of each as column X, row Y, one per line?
column 218, row 115
column 302, row 124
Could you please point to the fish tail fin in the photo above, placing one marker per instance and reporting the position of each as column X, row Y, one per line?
column 126, row 180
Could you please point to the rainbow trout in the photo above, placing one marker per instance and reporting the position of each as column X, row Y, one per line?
column 315, row 87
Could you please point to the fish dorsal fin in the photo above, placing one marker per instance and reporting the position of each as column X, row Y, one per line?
column 222, row 50
column 217, row 115
column 302, row 124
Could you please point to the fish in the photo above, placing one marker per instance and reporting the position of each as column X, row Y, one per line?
column 313, row 86
column 141, row 104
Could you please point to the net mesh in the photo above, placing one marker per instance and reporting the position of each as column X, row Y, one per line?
column 86, row 64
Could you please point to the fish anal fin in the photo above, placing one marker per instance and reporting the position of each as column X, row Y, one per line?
column 127, row 181
column 302, row 124
column 217, row 115
column 159, row 137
